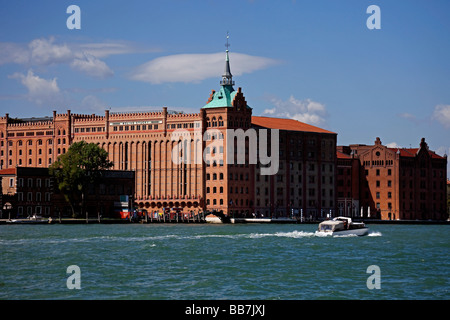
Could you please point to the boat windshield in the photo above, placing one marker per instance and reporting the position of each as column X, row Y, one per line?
column 326, row 227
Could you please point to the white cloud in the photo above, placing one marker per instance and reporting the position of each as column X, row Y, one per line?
column 45, row 52
column 84, row 58
column 92, row 66
column 392, row 145
column 105, row 49
column 442, row 114
column 196, row 67
column 307, row 110
column 40, row 91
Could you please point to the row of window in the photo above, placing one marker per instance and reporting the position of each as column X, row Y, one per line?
column 295, row 203
column 30, row 182
column 90, row 129
column 38, row 197
column 37, row 211
column 29, row 134
column 30, row 142
column 378, row 163
column 218, row 122
column 30, row 152
column 232, row 203
column 280, row 192
column 182, row 125
column 137, row 127
column 377, row 172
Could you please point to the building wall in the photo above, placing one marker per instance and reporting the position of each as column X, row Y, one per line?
column 400, row 183
column 32, row 191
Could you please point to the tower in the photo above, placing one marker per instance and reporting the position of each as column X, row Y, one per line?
column 228, row 185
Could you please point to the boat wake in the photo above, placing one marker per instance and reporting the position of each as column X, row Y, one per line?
column 292, row 234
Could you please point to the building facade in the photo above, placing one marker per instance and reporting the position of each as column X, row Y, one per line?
column 347, row 186
column 194, row 162
column 31, row 191
column 397, row 183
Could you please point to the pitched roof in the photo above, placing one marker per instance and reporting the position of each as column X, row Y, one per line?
column 341, row 155
column 412, row 152
column 286, row 124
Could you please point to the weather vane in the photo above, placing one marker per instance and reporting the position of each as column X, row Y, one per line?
column 227, row 44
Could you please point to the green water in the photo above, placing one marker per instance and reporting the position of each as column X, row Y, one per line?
column 202, row 261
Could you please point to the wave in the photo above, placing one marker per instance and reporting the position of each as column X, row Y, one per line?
column 292, row 234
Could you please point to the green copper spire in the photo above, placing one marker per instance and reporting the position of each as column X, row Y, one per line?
column 226, row 94
column 227, row 77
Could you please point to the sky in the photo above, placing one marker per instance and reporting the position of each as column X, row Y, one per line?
column 313, row 61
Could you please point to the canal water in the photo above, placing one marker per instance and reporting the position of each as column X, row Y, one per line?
column 215, row 262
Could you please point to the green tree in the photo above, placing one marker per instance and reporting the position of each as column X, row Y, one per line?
column 78, row 168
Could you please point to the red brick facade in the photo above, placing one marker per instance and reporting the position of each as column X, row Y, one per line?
column 398, row 183
column 144, row 142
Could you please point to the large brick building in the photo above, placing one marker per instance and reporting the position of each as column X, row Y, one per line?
column 31, row 191
column 205, row 173
column 393, row 183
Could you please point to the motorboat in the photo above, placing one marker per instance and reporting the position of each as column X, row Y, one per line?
column 35, row 219
column 342, row 226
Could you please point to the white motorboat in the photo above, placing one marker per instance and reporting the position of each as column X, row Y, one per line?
column 342, row 226
column 35, row 219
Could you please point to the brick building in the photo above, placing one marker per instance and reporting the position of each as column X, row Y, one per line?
column 396, row 183
column 305, row 182
column 183, row 161
column 347, row 184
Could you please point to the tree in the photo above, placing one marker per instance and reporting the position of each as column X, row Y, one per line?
column 78, row 168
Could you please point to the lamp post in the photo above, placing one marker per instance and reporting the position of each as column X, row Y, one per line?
column 8, row 207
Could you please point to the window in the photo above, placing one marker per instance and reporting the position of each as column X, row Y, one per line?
column 11, row 182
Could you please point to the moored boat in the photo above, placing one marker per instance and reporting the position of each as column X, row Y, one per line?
column 342, row 226
column 31, row 220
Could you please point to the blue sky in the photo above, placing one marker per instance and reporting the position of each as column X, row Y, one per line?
column 315, row 61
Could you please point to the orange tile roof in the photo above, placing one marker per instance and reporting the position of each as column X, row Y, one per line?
column 411, row 152
column 341, row 155
column 286, row 124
